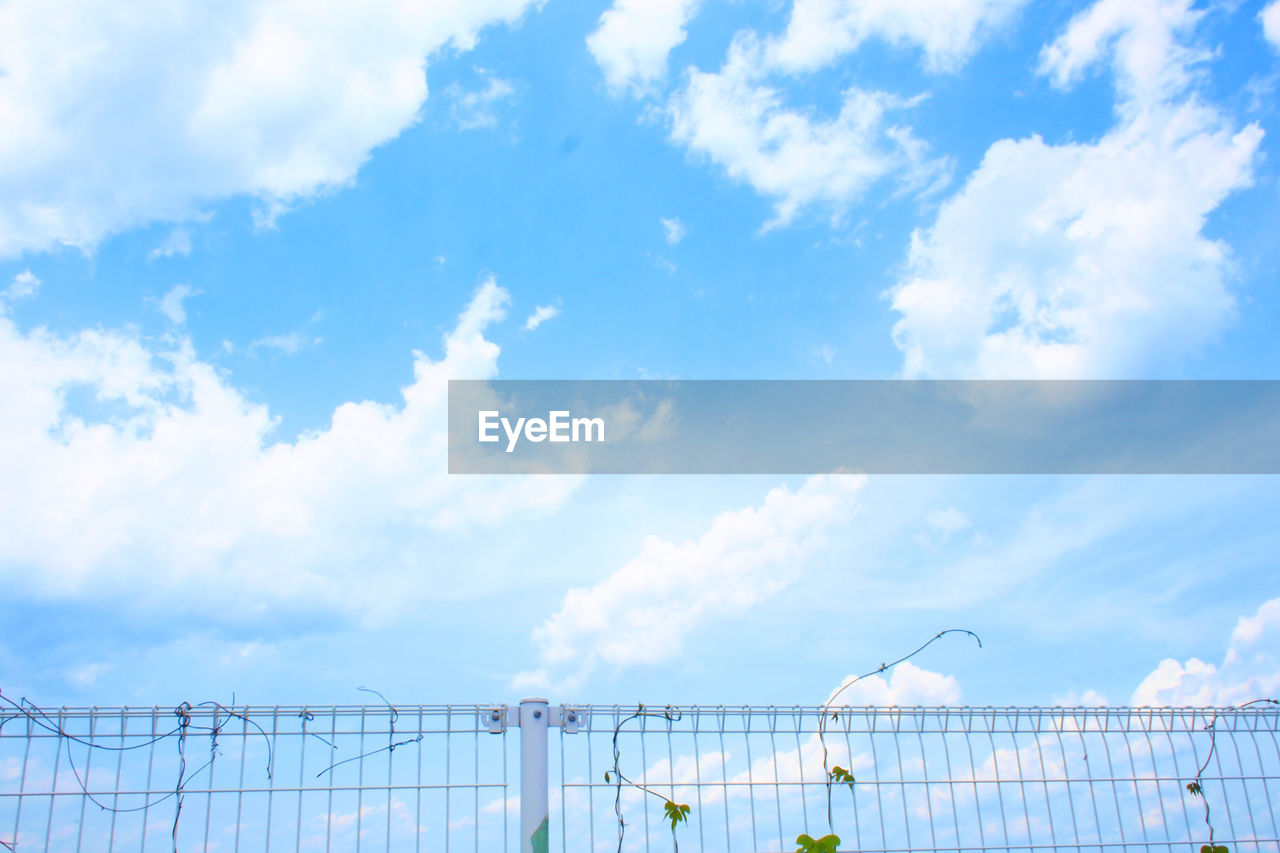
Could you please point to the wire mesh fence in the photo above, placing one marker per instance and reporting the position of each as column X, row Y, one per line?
column 448, row 778
column 925, row 779
column 412, row 778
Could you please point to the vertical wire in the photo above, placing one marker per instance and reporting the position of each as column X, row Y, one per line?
column 1222, row 783
column 751, row 781
column 995, row 770
column 271, row 783
column 244, row 748
column 1022, row 777
column 924, row 773
column 1266, row 789
column 1133, row 772
column 151, row 755
column 564, row 826
column 392, row 715
column 848, row 745
column 328, row 815
column 874, row 716
column 697, row 776
column 364, row 716
column 22, row 783
column 1044, row 777
column 417, row 806
column 798, row 717
column 721, row 719
column 1244, row 785
column 951, row 776
column 208, row 800
column 777, row 782
column 88, row 770
column 902, row 781
column 1066, row 773
column 53, row 787
column 1088, row 772
column 1111, row 773
column 1155, row 772
column 115, row 796
column 302, row 763
column 973, row 777
column 591, row 780
column 1177, row 772
column 506, row 813
column 448, row 772
column 644, row 778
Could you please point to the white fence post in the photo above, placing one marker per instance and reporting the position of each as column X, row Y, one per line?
column 534, row 808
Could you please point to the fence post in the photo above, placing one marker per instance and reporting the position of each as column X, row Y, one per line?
column 534, row 808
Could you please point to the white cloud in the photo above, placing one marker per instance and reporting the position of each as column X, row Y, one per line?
column 1146, row 43
column 634, row 37
column 743, row 126
column 1249, row 670
column 288, row 344
column 540, row 315
column 108, row 120
column 180, row 499
column 907, row 684
column 1085, row 260
column 642, row 612
column 24, row 285
column 948, row 31
column 673, row 230
column 1270, row 18
column 171, row 303
column 475, row 109
column 178, row 242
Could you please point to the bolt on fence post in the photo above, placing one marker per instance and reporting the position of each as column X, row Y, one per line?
column 534, row 808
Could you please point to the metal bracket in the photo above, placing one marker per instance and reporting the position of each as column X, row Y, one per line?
column 495, row 719
column 568, row 718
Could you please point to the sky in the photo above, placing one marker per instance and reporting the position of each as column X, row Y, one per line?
column 244, row 246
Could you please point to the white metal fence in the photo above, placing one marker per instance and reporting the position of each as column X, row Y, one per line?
column 487, row 778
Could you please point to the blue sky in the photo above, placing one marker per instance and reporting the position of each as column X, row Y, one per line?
column 243, row 249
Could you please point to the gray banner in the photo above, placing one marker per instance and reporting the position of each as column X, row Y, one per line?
column 872, row 426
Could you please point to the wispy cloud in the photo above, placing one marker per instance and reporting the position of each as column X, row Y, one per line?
column 476, row 108
column 540, row 315
column 177, row 243
column 24, row 286
column 673, row 230
column 171, row 304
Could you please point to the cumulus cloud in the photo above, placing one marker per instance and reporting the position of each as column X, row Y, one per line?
column 1270, row 18
column 1086, row 259
column 108, row 121
column 948, row 32
column 735, row 120
column 1249, row 670
column 642, row 612
column 907, row 684
column 634, row 38
column 540, row 315
column 179, row 496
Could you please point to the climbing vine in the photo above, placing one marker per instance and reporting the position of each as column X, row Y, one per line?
column 678, row 813
column 1196, row 786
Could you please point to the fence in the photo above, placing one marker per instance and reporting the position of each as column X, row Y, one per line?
column 532, row 778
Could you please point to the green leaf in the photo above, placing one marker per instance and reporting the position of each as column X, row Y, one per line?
column 840, row 775
column 676, row 812
column 606, row 777
column 1195, row 789
column 1214, row 848
column 809, row 844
